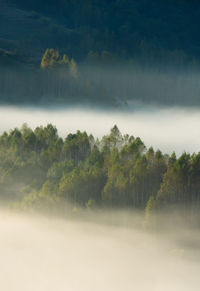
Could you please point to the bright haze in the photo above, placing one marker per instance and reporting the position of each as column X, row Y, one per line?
column 40, row 254
column 167, row 129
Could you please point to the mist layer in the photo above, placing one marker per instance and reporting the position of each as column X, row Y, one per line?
column 51, row 254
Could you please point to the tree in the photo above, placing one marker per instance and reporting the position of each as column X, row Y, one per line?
column 77, row 147
column 50, row 58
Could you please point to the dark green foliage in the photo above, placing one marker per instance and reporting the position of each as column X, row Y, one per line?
column 153, row 28
column 77, row 147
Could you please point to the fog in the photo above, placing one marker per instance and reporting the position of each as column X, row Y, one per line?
column 169, row 129
column 41, row 253
column 105, row 84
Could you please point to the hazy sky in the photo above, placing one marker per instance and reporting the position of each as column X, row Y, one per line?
column 167, row 129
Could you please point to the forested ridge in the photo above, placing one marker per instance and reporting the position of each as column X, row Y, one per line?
column 38, row 169
column 155, row 30
column 113, row 48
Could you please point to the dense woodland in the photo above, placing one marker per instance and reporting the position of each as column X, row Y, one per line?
column 38, row 169
column 103, row 52
column 154, row 29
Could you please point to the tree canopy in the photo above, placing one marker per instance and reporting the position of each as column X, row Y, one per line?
column 38, row 168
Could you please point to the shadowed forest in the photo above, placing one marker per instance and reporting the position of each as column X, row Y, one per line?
column 100, row 53
column 156, row 31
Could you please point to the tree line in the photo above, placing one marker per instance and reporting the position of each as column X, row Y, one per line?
column 40, row 169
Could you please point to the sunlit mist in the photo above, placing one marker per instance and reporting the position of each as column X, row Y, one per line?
column 51, row 254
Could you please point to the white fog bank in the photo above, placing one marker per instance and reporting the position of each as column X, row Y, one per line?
column 50, row 254
column 171, row 129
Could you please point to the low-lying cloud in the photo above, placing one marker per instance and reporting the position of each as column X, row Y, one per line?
column 39, row 253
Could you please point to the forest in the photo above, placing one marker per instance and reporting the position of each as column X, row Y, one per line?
column 154, row 31
column 103, row 52
column 40, row 170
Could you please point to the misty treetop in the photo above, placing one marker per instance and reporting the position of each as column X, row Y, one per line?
column 38, row 168
column 52, row 59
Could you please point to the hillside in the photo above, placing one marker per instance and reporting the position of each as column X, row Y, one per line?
column 144, row 29
column 27, row 33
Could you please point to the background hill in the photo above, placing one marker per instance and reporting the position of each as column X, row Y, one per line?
column 115, row 52
column 155, row 30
